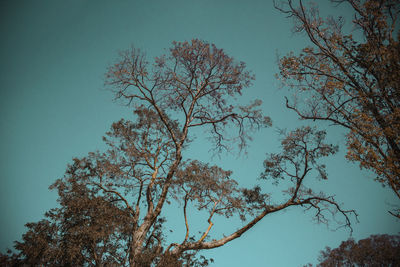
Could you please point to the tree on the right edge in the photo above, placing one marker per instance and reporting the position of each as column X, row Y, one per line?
column 351, row 79
column 376, row 250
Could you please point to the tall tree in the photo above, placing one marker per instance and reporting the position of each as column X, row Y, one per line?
column 112, row 202
column 352, row 80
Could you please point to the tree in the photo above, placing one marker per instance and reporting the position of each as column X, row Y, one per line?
column 351, row 81
column 376, row 250
column 112, row 202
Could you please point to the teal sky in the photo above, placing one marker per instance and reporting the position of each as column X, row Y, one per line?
column 53, row 107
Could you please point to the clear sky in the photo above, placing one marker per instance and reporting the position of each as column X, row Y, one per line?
column 53, row 107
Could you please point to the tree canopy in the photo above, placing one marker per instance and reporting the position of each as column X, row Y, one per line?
column 376, row 250
column 111, row 202
column 352, row 80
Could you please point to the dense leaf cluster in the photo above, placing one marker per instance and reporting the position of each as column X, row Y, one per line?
column 376, row 250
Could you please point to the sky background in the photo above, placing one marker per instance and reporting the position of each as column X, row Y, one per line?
column 53, row 107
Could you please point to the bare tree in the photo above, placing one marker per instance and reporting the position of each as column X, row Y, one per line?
column 351, row 81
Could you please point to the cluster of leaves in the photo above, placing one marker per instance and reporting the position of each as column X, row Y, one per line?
column 377, row 250
column 85, row 230
column 352, row 81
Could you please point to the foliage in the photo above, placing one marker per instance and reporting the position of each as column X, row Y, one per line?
column 351, row 80
column 376, row 250
column 111, row 203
